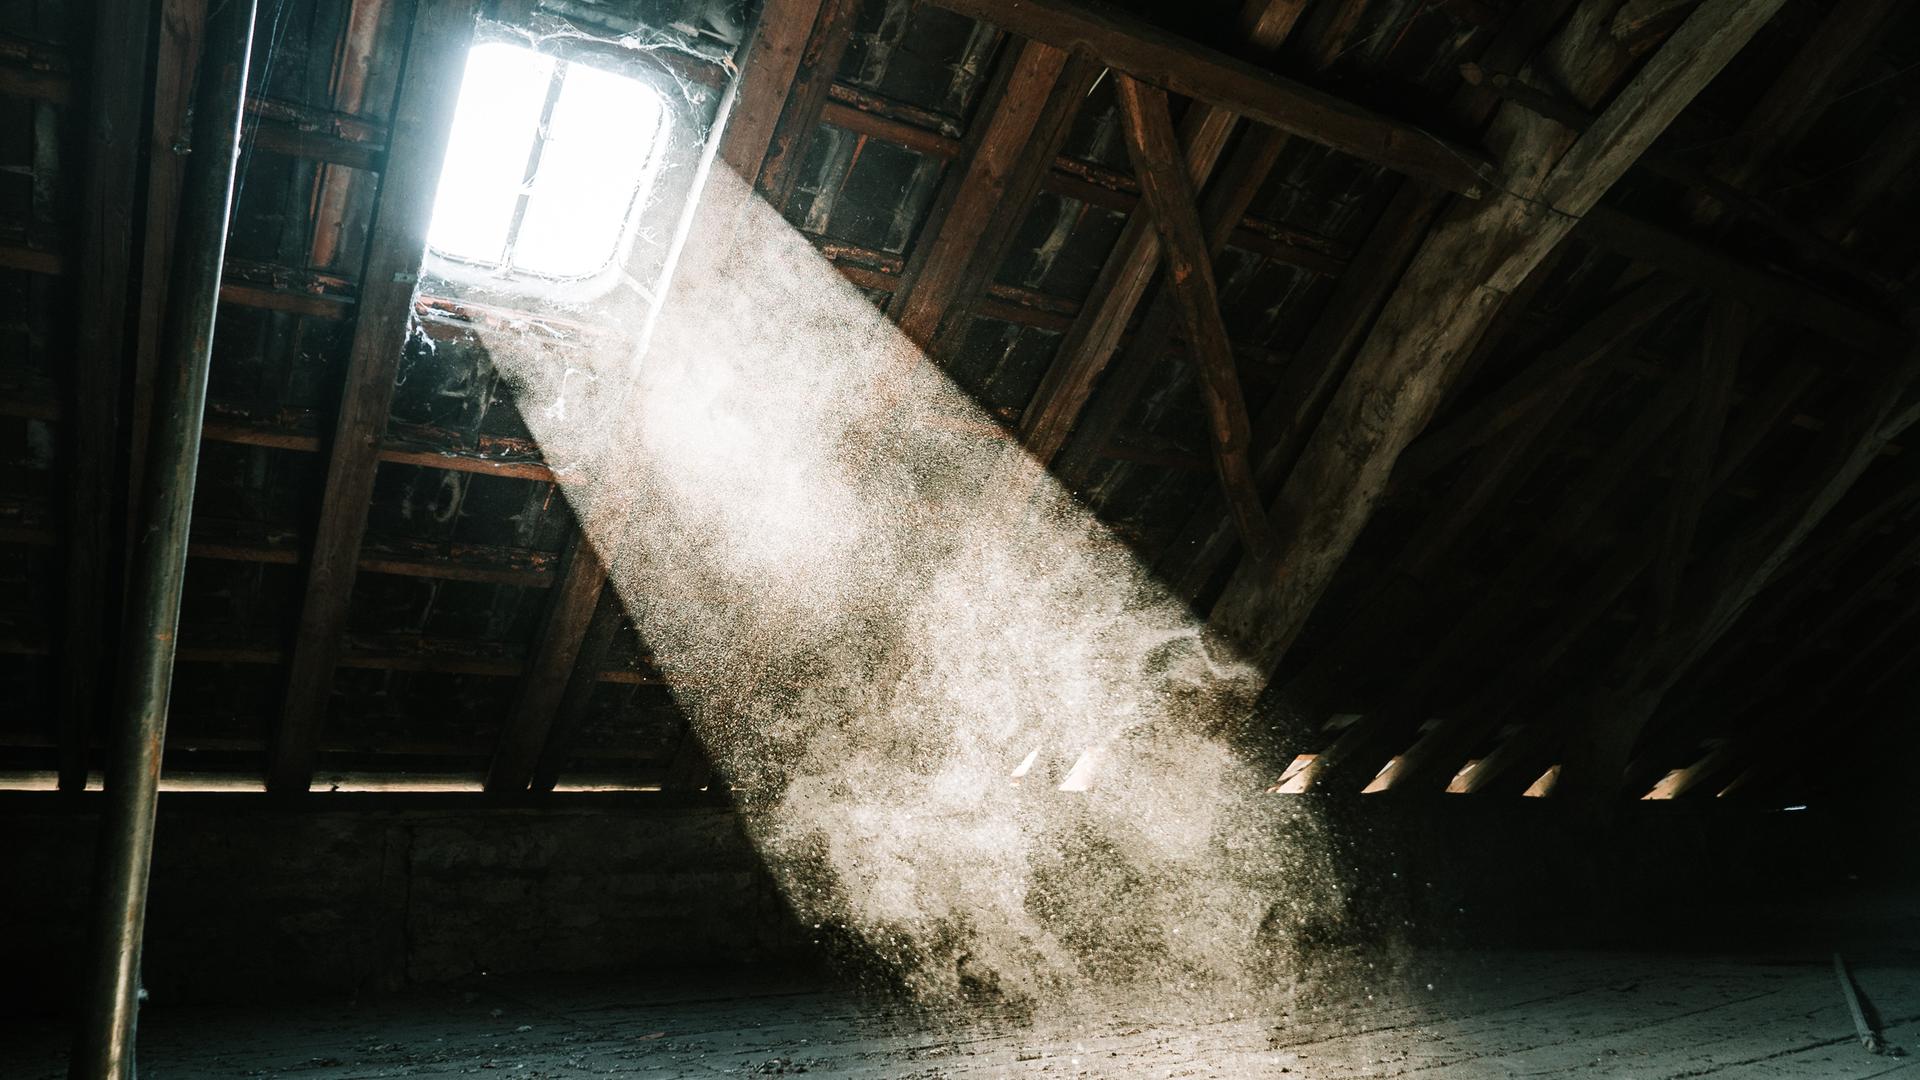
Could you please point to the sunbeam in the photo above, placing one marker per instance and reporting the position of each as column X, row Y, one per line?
column 971, row 729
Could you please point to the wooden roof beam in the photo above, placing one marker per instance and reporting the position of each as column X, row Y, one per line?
column 806, row 98
column 981, row 205
column 772, row 59
column 1456, row 284
column 1134, row 47
column 1082, row 358
column 423, row 117
column 1169, row 199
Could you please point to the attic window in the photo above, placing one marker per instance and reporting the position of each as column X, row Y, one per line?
column 546, row 165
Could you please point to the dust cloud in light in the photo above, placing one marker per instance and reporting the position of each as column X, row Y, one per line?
column 966, row 728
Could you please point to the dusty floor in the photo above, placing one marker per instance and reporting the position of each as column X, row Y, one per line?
column 1448, row 1015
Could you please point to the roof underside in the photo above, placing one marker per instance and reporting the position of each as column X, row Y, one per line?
column 1524, row 541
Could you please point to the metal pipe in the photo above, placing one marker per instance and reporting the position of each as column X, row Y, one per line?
column 123, row 858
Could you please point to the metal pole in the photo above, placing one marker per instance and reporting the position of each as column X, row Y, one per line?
column 104, row 1050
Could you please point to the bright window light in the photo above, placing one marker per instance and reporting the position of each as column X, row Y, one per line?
column 546, row 162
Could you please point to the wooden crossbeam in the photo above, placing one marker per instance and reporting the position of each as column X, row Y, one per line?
column 1457, row 282
column 1134, row 47
column 105, row 258
column 977, row 210
column 1084, row 354
column 1169, row 199
column 423, row 117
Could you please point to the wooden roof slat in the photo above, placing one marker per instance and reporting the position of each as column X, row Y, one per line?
column 1133, row 47
column 423, row 117
column 1455, row 285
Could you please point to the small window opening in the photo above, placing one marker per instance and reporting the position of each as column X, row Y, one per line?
column 547, row 164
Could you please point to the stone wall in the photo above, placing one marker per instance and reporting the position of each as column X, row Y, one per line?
column 249, row 900
column 253, row 899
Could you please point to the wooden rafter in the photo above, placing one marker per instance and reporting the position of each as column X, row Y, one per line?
column 806, row 98
column 423, row 117
column 1133, row 47
column 556, row 649
column 1083, row 356
column 1183, row 241
column 1455, row 285
column 772, row 58
column 973, row 218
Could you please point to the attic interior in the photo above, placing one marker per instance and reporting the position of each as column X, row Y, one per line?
column 931, row 538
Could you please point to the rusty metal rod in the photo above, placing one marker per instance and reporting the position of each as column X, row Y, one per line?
column 123, row 859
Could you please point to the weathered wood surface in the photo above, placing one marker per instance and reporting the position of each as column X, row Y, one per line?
column 1169, row 199
column 1134, row 47
column 1458, row 280
column 1083, row 355
column 423, row 117
column 1450, row 1016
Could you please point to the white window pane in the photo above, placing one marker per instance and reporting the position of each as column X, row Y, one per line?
column 501, row 97
column 599, row 142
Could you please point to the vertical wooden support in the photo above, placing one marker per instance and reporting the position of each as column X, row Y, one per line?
column 114, row 105
column 556, row 651
column 423, row 117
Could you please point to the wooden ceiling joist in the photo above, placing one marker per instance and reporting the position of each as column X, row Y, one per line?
column 1133, row 47
column 423, row 118
column 1455, row 285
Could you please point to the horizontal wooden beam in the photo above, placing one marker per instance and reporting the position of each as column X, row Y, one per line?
column 1134, row 47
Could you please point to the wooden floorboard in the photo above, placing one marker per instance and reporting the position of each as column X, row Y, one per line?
column 1439, row 1016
